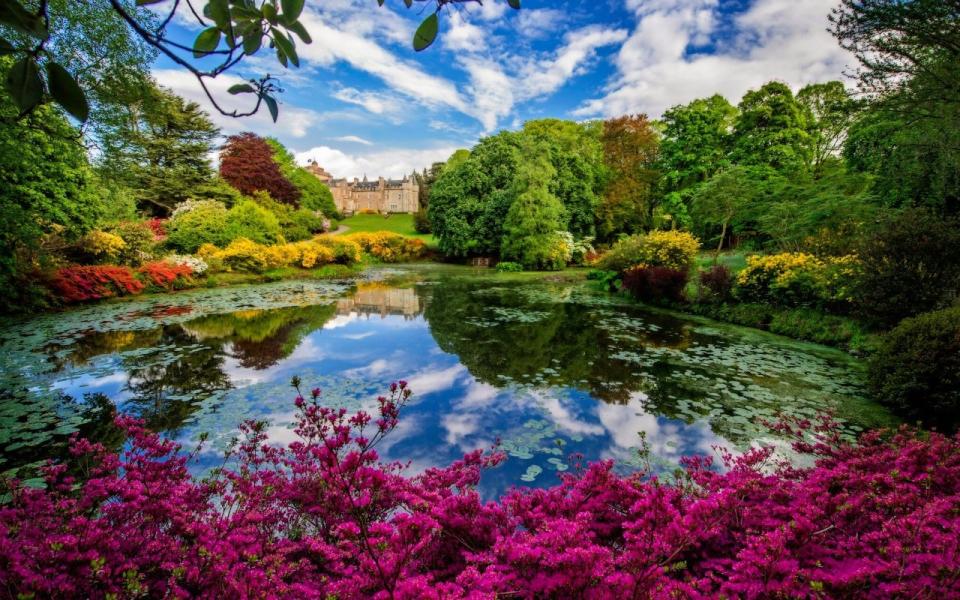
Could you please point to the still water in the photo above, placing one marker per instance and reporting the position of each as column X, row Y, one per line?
column 545, row 365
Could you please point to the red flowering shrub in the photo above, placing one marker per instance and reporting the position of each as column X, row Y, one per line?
column 159, row 228
column 718, row 282
column 324, row 517
column 655, row 284
column 79, row 284
column 164, row 274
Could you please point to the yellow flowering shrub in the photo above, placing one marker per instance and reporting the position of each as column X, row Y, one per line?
column 839, row 278
column 245, row 255
column 387, row 246
column 798, row 279
column 345, row 251
column 311, row 254
column 102, row 246
column 671, row 249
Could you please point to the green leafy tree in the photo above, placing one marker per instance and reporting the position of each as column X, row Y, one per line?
column 576, row 154
column 697, row 138
column 47, row 195
column 530, row 230
column 900, row 42
column 314, row 194
column 470, row 200
column 915, row 160
column 162, row 151
column 772, row 130
column 830, row 111
column 725, row 200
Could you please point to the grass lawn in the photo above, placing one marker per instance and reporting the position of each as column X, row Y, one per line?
column 397, row 223
column 735, row 261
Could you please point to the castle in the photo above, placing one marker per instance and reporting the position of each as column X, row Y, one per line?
column 382, row 195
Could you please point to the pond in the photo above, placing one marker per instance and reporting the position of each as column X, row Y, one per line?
column 546, row 365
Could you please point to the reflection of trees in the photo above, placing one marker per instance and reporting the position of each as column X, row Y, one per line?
column 98, row 343
column 262, row 338
column 167, row 382
column 569, row 346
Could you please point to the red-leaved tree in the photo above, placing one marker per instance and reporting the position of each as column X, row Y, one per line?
column 246, row 163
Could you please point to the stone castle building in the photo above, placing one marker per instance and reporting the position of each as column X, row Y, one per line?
column 382, row 195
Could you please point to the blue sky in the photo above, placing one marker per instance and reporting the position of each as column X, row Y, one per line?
column 363, row 102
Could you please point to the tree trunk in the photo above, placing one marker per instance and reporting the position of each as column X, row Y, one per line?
column 723, row 235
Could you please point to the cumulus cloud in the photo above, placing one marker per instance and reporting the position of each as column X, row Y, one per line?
column 773, row 39
column 393, row 162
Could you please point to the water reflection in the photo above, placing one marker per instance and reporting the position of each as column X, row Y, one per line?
column 545, row 367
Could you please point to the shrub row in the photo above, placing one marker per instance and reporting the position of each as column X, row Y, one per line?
column 95, row 282
column 388, row 247
column 247, row 256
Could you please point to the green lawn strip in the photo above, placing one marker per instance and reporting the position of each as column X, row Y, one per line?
column 396, row 223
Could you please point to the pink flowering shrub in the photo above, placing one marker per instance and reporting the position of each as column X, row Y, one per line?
column 326, row 518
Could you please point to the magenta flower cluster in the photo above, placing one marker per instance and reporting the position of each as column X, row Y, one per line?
column 326, row 518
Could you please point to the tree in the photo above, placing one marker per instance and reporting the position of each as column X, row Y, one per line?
column 899, row 41
column 720, row 200
column 530, row 230
column 630, row 152
column 231, row 31
column 425, row 181
column 831, row 110
column 161, row 152
column 576, row 154
column 915, row 161
column 771, row 130
column 697, row 138
column 247, row 163
column 46, row 194
column 470, row 200
column 314, row 194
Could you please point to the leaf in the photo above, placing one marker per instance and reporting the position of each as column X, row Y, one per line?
column 14, row 15
column 272, row 107
column 219, row 12
column 252, row 42
column 301, row 31
column 240, row 88
column 514, row 4
column 24, row 84
column 426, row 33
column 67, row 92
column 269, row 13
column 292, row 8
column 285, row 46
column 206, row 42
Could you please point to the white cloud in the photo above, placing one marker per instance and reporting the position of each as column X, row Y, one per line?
column 394, row 162
column 540, row 23
column 580, row 46
column 353, row 139
column 774, row 39
column 294, row 121
column 374, row 102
